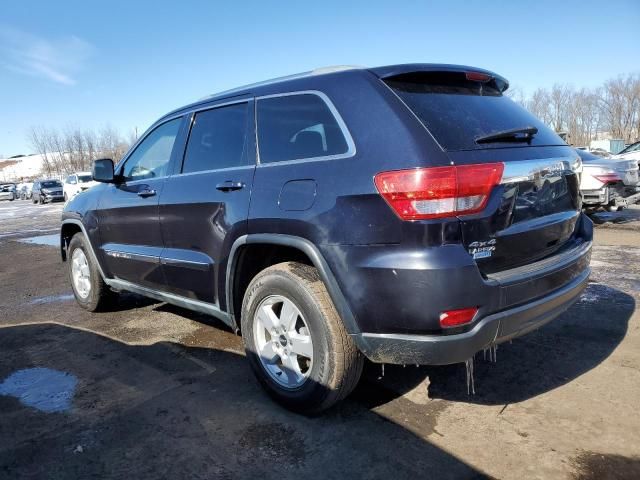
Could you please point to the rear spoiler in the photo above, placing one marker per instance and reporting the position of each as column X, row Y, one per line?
column 391, row 71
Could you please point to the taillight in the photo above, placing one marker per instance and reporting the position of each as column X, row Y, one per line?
column 439, row 192
column 608, row 178
column 455, row 318
column 477, row 76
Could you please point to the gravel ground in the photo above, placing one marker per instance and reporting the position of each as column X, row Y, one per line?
column 149, row 390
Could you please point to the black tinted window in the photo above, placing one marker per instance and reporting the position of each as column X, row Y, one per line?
column 151, row 157
column 457, row 111
column 293, row 127
column 217, row 139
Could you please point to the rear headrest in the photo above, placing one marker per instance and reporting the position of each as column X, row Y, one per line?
column 308, row 144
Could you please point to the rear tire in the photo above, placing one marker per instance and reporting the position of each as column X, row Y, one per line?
column 89, row 288
column 66, row 199
column 333, row 363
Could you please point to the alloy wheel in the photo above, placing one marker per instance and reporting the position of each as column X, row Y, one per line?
column 283, row 341
column 80, row 273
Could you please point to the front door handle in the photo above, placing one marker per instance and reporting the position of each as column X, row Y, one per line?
column 146, row 193
column 229, row 186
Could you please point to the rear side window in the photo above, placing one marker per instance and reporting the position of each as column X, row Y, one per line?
column 293, row 127
column 217, row 139
column 457, row 111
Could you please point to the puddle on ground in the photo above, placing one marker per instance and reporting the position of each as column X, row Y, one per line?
column 51, row 299
column 51, row 240
column 42, row 388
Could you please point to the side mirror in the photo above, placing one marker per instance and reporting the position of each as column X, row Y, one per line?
column 103, row 170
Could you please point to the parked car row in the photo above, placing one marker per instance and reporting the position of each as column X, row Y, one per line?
column 48, row 190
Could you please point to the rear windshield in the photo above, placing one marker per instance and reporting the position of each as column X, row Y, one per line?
column 84, row 178
column 457, row 111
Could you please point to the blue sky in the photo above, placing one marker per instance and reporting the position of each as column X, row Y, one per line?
column 125, row 63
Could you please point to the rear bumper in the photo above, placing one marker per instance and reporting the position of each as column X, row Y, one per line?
column 397, row 294
column 491, row 330
column 621, row 196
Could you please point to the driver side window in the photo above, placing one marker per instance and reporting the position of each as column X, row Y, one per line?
column 151, row 158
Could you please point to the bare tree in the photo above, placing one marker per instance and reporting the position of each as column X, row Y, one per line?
column 620, row 106
column 585, row 114
column 540, row 105
column 516, row 94
column 73, row 149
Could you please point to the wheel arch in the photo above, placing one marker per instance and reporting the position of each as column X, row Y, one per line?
column 69, row 228
column 299, row 244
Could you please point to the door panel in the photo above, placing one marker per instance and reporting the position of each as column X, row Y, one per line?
column 130, row 232
column 130, row 237
column 204, row 208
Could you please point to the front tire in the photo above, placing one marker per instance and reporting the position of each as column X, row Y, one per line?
column 295, row 341
column 89, row 288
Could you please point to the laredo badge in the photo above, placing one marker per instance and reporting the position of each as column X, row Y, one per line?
column 482, row 249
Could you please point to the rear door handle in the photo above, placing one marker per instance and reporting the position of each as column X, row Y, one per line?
column 229, row 186
column 146, row 193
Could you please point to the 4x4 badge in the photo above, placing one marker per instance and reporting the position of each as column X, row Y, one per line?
column 482, row 249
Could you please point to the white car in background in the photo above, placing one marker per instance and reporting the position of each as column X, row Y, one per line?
column 76, row 183
column 632, row 152
column 610, row 183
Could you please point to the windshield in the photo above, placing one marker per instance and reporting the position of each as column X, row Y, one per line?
column 51, row 184
column 458, row 111
column 631, row 148
column 84, row 178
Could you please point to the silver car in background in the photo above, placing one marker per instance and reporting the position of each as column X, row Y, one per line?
column 610, row 183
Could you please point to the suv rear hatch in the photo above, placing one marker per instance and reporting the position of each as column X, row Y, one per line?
column 534, row 210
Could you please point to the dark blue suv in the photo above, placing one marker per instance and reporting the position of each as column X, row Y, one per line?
column 406, row 214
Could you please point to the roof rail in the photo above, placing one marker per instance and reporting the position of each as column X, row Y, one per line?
column 296, row 76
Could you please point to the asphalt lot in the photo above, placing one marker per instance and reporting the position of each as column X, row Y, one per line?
column 149, row 390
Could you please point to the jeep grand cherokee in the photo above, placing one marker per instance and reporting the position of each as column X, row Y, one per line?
column 406, row 214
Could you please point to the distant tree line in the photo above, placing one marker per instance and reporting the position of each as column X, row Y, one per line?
column 71, row 150
column 612, row 109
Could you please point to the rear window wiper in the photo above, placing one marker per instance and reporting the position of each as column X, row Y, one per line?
column 523, row 134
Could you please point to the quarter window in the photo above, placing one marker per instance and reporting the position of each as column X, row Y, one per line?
column 293, row 127
column 217, row 139
column 151, row 158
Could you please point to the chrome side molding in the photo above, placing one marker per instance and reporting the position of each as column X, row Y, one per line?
column 530, row 170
